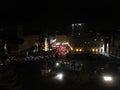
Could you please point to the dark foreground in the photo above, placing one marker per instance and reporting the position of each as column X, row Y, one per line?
column 28, row 76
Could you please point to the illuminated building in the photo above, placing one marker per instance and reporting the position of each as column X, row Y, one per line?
column 87, row 41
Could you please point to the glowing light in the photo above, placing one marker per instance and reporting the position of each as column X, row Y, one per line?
column 107, row 45
column 59, row 76
column 96, row 50
column 93, row 50
column 103, row 48
column 58, row 43
column 65, row 43
column 80, row 50
column 76, row 50
column 72, row 25
column 46, row 45
column 5, row 48
column 71, row 48
column 57, row 64
column 95, row 39
column 49, row 70
column 52, row 41
column 107, row 78
column 107, row 48
column 80, row 24
column 51, row 49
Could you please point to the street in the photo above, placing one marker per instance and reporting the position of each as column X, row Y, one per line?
column 29, row 75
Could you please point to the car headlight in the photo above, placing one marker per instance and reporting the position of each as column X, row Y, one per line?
column 57, row 64
column 59, row 76
column 108, row 78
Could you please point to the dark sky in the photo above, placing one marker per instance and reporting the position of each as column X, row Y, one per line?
column 49, row 15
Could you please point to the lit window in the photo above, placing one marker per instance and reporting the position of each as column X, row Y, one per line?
column 80, row 24
column 107, row 45
column 96, row 50
column 101, row 39
column 95, row 39
column 93, row 50
column 80, row 50
column 72, row 25
column 78, row 33
column 76, row 50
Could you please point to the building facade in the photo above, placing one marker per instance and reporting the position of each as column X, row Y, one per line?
column 86, row 41
column 115, row 44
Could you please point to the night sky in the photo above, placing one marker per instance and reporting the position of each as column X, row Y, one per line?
column 49, row 16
